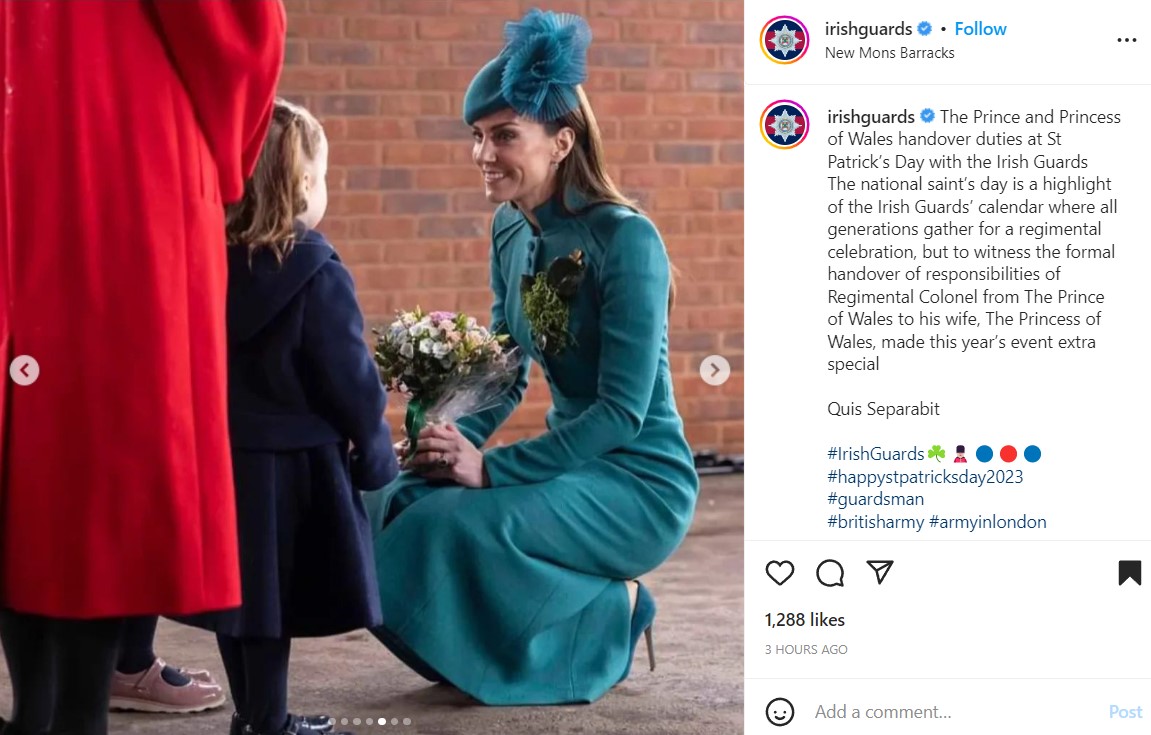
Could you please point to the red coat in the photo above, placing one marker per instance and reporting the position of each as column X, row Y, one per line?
column 126, row 126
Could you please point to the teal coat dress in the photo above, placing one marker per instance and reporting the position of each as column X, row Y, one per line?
column 516, row 593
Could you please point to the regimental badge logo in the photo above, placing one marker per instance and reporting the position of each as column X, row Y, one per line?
column 784, row 39
column 783, row 124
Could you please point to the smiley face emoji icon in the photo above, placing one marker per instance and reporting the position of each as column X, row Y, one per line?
column 780, row 712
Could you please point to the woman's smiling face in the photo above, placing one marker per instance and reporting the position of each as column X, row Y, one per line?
column 517, row 157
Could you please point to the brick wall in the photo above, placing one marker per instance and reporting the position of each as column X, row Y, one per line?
column 407, row 210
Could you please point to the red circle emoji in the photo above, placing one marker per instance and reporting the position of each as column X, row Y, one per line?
column 1008, row 453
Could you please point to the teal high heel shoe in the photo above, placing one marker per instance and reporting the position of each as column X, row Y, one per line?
column 642, row 619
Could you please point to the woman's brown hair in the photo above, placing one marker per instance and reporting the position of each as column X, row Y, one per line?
column 583, row 169
column 274, row 197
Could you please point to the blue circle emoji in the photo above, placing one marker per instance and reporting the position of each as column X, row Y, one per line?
column 1032, row 453
column 984, row 453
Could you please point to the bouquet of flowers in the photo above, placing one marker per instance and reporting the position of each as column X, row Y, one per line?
column 445, row 364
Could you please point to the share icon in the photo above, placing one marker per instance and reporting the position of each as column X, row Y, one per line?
column 881, row 568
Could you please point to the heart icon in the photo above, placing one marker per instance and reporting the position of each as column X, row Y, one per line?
column 780, row 571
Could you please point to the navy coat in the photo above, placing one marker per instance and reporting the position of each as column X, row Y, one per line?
column 302, row 385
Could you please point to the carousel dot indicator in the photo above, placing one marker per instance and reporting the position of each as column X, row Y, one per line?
column 1008, row 453
column 1032, row 453
column 984, row 453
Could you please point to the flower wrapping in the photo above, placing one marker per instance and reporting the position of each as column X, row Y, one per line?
column 446, row 364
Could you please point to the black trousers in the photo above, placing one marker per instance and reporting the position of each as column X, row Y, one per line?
column 61, row 672
column 257, row 671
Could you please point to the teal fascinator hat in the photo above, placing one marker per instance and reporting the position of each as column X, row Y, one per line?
column 543, row 59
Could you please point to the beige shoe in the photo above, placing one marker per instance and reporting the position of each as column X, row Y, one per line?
column 148, row 692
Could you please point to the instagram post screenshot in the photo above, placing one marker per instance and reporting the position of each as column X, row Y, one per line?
column 378, row 366
column 947, row 530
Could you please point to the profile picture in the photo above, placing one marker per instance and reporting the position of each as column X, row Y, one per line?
column 783, row 124
column 783, row 39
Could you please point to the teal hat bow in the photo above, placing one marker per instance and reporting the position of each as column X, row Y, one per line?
column 543, row 60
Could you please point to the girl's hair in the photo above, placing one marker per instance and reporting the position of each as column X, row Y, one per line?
column 584, row 170
column 274, row 196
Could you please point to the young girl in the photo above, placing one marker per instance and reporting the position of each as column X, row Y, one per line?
column 306, row 417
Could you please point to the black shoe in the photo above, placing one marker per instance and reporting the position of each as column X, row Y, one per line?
column 297, row 725
column 313, row 723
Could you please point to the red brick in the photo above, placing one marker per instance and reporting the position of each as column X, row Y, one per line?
column 731, row 247
column 443, row 128
column 308, row 79
column 715, row 318
column 653, row 31
column 715, row 129
column 347, row 104
column 412, row 154
column 685, row 57
column 385, row 228
column 715, row 81
column 731, row 10
column 380, row 29
column 691, row 246
column 414, row 7
column 604, row 29
column 473, row 251
column 689, row 9
column 652, row 177
column 379, row 178
column 401, row 104
column 381, row 78
column 608, row 129
column 456, row 276
column 416, row 251
column 731, row 152
column 459, row 29
column 509, row 9
column 435, row 105
column 415, row 202
column 731, row 105
column 344, row 7
column 719, row 177
column 448, row 178
column 474, row 55
column 618, row 55
column 680, row 200
column 715, row 33
column 380, row 129
column 621, row 153
column 621, row 8
column 663, row 80
column 602, row 80
column 686, row 104
column 353, row 203
column 696, row 294
column 732, row 199
column 684, row 153
column 453, row 227
column 354, row 154
column 342, row 53
column 314, row 26
column 715, row 223
column 626, row 105
column 649, row 129
column 449, row 79
column 356, row 253
column 731, row 58
column 579, row 7
column 417, row 54
column 295, row 52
